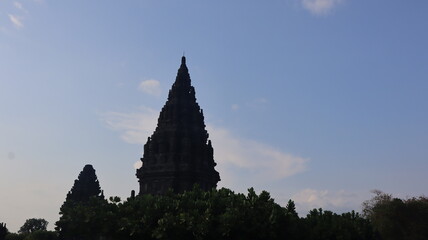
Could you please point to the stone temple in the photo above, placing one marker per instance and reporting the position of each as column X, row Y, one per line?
column 178, row 154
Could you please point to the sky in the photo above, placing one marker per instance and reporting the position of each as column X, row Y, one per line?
column 318, row 101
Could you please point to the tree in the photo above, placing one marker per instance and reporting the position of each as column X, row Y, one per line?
column 290, row 209
column 198, row 214
column 326, row 225
column 396, row 218
column 88, row 220
column 3, row 231
column 32, row 225
column 207, row 215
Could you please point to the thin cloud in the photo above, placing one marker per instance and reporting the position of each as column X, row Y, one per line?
column 257, row 103
column 251, row 157
column 236, row 157
column 138, row 164
column 261, row 100
column 16, row 21
column 320, row 7
column 133, row 127
column 151, row 87
column 308, row 199
column 18, row 5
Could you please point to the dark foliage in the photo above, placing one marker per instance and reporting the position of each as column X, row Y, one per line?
column 86, row 220
column 395, row 218
column 32, row 225
column 326, row 225
column 197, row 214
column 33, row 229
column 36, row 235
column 3, row 231
column 42, row 235
column 15, row 236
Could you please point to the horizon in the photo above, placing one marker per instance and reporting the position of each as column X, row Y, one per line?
column 316, row 101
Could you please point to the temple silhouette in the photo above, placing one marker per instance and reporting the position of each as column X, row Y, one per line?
column 178, row 155
column 85, row 186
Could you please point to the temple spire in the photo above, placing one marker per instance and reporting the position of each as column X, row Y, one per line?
column 179, row 153
column 183, row 77
column 85, row 186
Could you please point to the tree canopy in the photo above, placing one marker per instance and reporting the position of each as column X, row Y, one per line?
column 197, row 214
column 33, row 224
column 224, row 214
column 396, row 218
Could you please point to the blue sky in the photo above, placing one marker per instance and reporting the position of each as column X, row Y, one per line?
column 319, row 101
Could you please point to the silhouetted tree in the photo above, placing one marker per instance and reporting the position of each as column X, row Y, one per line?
column 290, row 209
column 88, row 220
column 326, row 225
column 3, row 231
column 32, row 225
column 198, row 214
column 292, row 227
column 395, row 218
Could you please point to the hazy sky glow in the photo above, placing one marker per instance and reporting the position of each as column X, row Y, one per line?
column 319, row 101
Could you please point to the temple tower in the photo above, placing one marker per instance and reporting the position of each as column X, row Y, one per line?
column 85, row 186
column 178, row 154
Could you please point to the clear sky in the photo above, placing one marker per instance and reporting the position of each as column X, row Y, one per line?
column 320, row 101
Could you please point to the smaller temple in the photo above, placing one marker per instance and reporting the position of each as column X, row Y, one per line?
column 85, row 186
column 178, row 155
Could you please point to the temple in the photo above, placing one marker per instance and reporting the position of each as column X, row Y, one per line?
column 178, row 155
column 85, row 186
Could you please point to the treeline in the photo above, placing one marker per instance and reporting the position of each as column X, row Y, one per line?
column 223, row 214
column 33, row 229
column 217, row 214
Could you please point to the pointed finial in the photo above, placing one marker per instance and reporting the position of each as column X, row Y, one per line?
column 183, row 60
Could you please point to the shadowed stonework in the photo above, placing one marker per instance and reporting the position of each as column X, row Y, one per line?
column 85, row 186
column 178, row 154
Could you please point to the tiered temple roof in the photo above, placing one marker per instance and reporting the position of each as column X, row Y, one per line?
column 85, row 186
column 178, row 154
